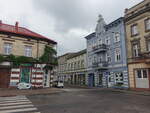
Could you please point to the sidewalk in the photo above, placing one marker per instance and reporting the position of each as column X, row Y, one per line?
column 127, row 91
column 144, row 93
column 15, row 92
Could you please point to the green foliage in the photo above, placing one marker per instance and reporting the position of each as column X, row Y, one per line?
column 1, row 58
column 49, row 56
column 17, row 61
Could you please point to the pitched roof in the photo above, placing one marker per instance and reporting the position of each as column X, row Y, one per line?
column 90, row 35
column 77, row 54
column 22, row 31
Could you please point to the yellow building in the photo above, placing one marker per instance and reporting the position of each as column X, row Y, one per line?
column 23, row 43
column 76, row 68
column 137, row 23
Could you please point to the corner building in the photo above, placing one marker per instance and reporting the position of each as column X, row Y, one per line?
column 137, row 22
column 106, row 55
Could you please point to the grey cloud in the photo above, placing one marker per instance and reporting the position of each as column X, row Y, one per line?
column 67, row 13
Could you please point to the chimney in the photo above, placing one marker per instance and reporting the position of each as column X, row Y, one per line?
column 16, row 26
column 126, row 10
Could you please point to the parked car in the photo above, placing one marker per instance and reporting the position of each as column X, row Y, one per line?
column 24, row 85
column 58, row 84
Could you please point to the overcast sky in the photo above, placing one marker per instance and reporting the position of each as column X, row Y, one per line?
column 65, row 21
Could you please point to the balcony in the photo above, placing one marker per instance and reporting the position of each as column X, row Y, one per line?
column 100, row 65
column 100, row 48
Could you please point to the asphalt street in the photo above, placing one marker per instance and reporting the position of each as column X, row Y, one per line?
column 79, row 100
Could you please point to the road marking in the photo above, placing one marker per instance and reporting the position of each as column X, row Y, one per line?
column 16, row 104
column 18, row 110
column 12, row 101
column 5, row 104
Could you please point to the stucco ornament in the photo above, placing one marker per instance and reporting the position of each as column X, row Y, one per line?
column 100, row 26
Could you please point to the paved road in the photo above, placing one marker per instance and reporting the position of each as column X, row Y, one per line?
column 91, row 101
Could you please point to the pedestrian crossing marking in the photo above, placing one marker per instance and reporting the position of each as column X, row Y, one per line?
column 16, row 104
column 19, row 106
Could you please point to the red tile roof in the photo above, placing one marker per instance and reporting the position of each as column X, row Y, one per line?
column 22, row 31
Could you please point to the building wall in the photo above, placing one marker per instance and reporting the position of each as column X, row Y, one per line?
column 141, row 27
column 132, row 17
column 76, row 67
column 113, row 67
column 19, row 43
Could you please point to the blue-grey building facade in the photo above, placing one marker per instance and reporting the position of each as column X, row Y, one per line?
column 106, row 55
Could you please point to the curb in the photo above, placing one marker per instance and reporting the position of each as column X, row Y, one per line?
column 131, row 92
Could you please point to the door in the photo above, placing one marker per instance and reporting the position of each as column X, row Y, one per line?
column 25, row 74
column 100, row 78
column 4, row 77
column 142, row 78
column 91, row 80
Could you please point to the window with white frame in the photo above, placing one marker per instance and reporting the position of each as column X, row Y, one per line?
column 135, row 50
column 141, row 73
column 117, row 55
column 147, row 24
column 107, row 41
column 116, row 37
column 28, row 51
column 100, row 42
column 7, row 48
column 134, row 29
column 108, row 58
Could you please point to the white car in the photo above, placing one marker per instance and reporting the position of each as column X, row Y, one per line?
column 24, row 85
column 58, row 84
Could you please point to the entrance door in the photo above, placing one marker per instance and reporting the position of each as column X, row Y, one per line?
column 4, row 78
column 91, row 80
column 25, row 74
column 101, row 79
column 142, row 78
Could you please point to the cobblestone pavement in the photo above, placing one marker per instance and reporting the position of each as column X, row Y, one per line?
column 77, row 100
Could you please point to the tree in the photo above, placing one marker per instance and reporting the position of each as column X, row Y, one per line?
column 49, row 56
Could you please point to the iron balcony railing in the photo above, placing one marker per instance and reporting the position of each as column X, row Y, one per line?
column 100, row 48
column 99, row 65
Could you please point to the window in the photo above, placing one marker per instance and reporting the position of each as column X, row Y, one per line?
column 135, row 50
column 108, row 58
column 117, row 37
column 148, row 45
column 7, row 48
column 147, row 24
column 100, row 42
column 142, row 73
column 119, row 77
column 134, row 30
column 28, row 51
column 107, row 41
column 117, row 55
column 100, row 58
